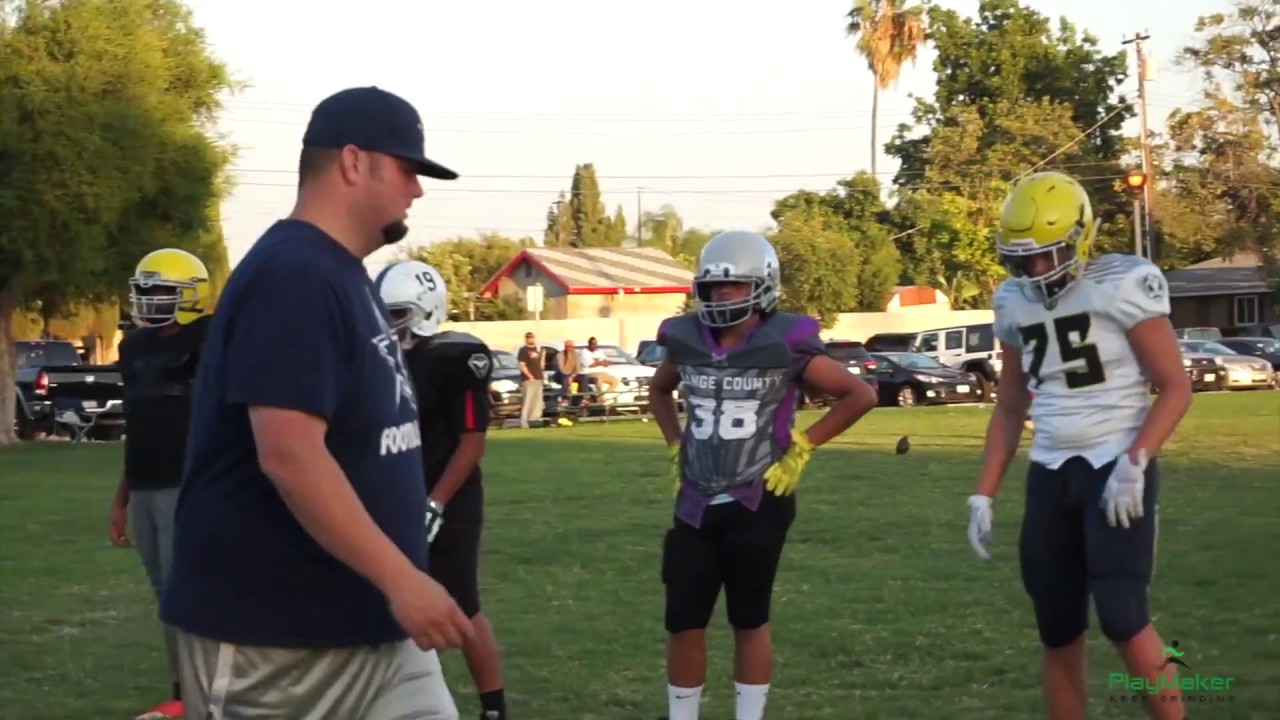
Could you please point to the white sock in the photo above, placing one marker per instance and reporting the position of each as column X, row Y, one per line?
column 682, row 703
column 751, row 701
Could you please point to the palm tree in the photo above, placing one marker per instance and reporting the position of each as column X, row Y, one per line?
column 889, row 35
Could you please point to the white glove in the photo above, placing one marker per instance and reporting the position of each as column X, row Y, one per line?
column 435, row 518
column 1122, row 498
column 980, row 517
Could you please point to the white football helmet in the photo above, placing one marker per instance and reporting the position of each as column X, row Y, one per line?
column 415, row 294
column 742, row 257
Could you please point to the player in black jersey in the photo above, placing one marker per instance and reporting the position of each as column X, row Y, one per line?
column 158, row 364
column 450, row 373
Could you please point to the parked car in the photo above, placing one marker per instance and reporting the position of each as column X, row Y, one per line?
column 971, row 348
column 1207, row 372
column 1243, row 371
column 854, row 356
column 908, row 378
column 52, row 378
column 1263, row 348
column 1198, row 333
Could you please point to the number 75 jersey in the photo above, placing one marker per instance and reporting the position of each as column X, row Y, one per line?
column 1090, row 393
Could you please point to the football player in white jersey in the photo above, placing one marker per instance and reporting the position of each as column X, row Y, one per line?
column 1089, row 337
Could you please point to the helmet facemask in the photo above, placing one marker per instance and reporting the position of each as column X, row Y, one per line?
column 727, row 313
column 157, row 302
column 409, row 321
column 1065, row 263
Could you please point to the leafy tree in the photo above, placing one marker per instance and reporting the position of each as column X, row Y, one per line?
column 1014, row 93
column 890, row 34
column 691, row 243
column 949, row 246
column 557, row 232
column 1223, row 174
column 1007, row 56
column 466, row 264
column 663, row 229
column 820, row 263
column 618, row 228
column 854, row 209
column 106, row 152
column 1242, row 50
column 589, row 221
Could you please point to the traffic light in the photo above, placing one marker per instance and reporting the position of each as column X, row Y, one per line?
column 1136, row 181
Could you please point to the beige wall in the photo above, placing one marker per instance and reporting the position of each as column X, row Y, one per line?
column 627, row 332
column 614, row 306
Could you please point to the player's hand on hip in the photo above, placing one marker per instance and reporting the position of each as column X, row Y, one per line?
column 435, row 518
column 980, row 517
column 1122, row 497
column 782, row 477
column 428, row 613
column 118, row 526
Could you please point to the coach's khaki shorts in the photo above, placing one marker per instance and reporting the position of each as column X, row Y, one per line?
column 396, row 681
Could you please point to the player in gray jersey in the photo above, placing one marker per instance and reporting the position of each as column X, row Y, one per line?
column 738, row 458
column 1089, row 338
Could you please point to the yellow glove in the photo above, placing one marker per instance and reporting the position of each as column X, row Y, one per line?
column 673, row 471
column 782, row 477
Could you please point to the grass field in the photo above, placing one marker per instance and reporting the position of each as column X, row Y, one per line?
column 882, row 611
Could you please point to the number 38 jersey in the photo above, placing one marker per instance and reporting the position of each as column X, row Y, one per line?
column 1091, row 395
column 740, row 404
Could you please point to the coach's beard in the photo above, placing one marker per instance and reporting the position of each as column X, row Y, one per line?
column 394, row 232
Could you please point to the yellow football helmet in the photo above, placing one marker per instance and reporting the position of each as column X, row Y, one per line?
column 169, row 285
column 1046, row 232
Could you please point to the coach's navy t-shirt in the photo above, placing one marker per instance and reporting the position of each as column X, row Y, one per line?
column 298, row 326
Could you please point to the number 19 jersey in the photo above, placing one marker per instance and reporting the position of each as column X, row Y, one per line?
column 740, row 402
column 1091, row 394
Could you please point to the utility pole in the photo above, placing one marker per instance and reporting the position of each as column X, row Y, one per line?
column 639, row 219
column 1144, row 74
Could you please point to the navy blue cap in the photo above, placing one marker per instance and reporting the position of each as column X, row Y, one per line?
column 373, row 120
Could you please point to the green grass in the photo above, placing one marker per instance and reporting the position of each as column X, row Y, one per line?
column 881, row 609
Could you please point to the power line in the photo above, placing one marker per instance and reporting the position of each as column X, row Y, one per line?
column 673, row 191
column 304, row 108
column 1073, row 142
column 841, row 174
column 581, row 132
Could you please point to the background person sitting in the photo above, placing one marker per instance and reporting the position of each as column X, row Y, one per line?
column 569, row 371
column 594, row 364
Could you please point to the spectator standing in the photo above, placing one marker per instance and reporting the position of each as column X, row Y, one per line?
column 530, row 359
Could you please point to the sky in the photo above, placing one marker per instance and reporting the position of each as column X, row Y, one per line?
column 714, row 107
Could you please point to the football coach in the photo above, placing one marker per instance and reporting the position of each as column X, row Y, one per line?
column 299, row 589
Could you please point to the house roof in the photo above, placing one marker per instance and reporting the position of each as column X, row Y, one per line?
column 1235, row 275
column 601, row 271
